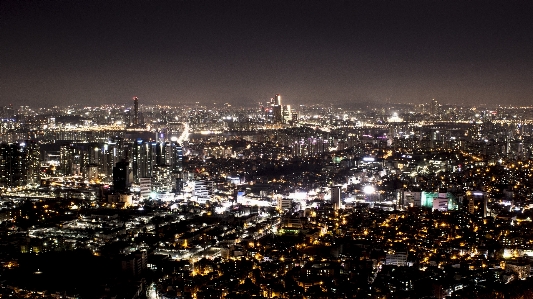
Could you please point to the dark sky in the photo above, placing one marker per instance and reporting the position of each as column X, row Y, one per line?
column 243, row 52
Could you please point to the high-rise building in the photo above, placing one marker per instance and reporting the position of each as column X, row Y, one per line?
column 11, row 165
column 67, row 165
column 203, row 190
column 277, row 100
column 32, row 159
column 147, row 155
column 434, row 107
column 135, row 111
column 336, row 197
column 287, row 115
column 179, row 182
column 175, row 153
column 143, row 159
column 294, row 117
column 127, row 118
column 145, row 185
column 275, row 110
column 19, row 164
column 161, row 179
column 122, row 176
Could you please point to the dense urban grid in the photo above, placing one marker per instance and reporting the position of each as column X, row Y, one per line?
column 269, row 201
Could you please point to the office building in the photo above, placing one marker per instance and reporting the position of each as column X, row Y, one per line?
column 336, row 197
column 441, row 202
column 149, row 154
column 122, row 176
column 135, row 111
column 145, row 185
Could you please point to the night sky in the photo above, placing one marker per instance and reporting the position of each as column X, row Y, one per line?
column 243, row 52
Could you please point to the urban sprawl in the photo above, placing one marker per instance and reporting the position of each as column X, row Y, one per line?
column 201, row 201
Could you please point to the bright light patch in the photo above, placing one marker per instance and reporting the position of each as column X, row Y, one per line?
column 369, row 189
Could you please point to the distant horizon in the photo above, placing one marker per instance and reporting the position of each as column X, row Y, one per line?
column 250, row 104
column 256, row 103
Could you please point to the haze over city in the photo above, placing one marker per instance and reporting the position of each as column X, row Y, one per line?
column 171, row 52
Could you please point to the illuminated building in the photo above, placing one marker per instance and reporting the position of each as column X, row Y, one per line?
column 135, row 111
column 287, row 114
column 32, row 158
column 174, row 156
column 434, row 107
column 67, row 164
column 336, row 197
column 289, row 222
column 127, row 118
column 275, row 111
column 92, row 172
column 276, row 114
column 19, row 164
column 440, row 202
column 143, row 159
column 411, row 199
column 179, row 182
column 477, row 203
column 276, row 100
column 149, row 154
column 427, row 199
column 12, row 165
column 396, row 259
column 284, row 203
column 145, row 185
column 294, row 116
column 203, row 190
column 161, row 179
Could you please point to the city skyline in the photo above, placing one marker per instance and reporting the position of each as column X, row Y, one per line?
column 170, row 52
column 196, row 202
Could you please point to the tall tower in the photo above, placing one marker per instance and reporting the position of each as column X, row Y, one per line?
column 277, row 99
column 434, row 107
column 277, row 109
column 336, row 197
column 12, row 165
column 135, row 111
column 122, row 176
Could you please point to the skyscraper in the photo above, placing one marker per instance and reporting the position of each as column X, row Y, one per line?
column 434, row 108
column 135, row 111
column 12, row 165
column 287, row 115
column 336, row 197
column 149, row 154
column 19, row 163
column 122, row 176
column 276, row 108
column 277, row 99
